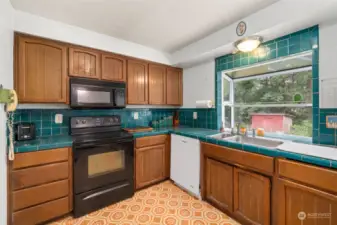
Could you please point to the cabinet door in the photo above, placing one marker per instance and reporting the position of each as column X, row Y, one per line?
column 150, row 165
column 157, row 84
column 113, row 68
column 314, row 206
column 219, row 184
column 174, row 86
column 84, row 63
column 137, row 82
column 251, row 197
column 41, row 71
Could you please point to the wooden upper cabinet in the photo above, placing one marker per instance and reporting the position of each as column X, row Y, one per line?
column 40, row 70
column 84, row 63
column 251, row 197
column 157, row 84
column 219, row 184
column 137, row 82
column 150, row 165
column 319, row 207
column 113, row 68
column 174, row 87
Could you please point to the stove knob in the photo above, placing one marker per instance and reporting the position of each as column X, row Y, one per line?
column 84, row 121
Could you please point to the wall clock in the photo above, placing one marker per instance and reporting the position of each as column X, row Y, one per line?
column 241, row 28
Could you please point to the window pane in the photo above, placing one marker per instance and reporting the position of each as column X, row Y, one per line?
column 283, row 89
column 288, row 120
column 228, row 116
column 226, row 90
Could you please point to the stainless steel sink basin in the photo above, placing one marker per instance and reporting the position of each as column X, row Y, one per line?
column 258, row 141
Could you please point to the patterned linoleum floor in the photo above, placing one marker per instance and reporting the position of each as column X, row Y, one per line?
column 164, row 204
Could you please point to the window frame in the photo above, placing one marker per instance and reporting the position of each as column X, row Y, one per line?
column 231, row 102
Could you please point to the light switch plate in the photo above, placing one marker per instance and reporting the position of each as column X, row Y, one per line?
column 195, row 115
column 58, row 118
column 135, row 115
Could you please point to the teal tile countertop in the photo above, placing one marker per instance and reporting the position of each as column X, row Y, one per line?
column 198, row 133
column 43, row 143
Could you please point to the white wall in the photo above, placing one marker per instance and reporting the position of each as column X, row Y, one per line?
column 327, row 50
column 6, row 79
column 39, row 26
column 199, row 84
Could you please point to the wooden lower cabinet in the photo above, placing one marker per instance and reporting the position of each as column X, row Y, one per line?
column 152, row 160
column 298, row 204
column 40, row 186
column 251, row 197
column 150, row 165
column 219, row 184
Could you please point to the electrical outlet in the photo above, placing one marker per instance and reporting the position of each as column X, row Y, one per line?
column 135, row 115
column 58, row 118
column 195, row 115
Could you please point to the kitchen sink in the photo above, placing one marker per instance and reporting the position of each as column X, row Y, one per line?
column 258, row 141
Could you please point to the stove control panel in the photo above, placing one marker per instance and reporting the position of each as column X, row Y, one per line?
column 100, row 121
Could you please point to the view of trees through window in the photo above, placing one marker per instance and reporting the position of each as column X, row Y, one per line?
column 280, row 103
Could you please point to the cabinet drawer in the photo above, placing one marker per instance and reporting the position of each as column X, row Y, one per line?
column 42, row 213
column 28, row 159
column 316, row 176
column 149, row 141
column 40, row 194
column 261, row 163
column 39, row 175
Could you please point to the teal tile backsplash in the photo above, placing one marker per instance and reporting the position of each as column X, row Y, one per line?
column 46, row 126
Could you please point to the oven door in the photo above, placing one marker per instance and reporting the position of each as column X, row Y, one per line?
column 102, row 164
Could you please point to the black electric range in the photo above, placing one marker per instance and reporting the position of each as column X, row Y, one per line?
column 103, row 163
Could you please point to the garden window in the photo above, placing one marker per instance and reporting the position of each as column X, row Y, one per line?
column 277, row 101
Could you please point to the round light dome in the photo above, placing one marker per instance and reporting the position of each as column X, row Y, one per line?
column 248, row 44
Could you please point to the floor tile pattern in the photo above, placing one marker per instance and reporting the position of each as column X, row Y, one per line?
column 164, row 204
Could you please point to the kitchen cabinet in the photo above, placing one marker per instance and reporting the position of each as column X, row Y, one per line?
column 43, row 67
column 305, row 188
column 150, row 165
column 40, row 70
column 174, row 86
column 157, row 84
column 40, row 186
column 113, row 68
column 318, row 206
column 219, row 184
column 137, row 82
column 185, row 163
column 151, row 158
column 251, row 197
column 237, row 182
column 84, row 63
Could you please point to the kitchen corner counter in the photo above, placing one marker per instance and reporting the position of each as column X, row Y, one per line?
column 203, row 135
column 43, row 143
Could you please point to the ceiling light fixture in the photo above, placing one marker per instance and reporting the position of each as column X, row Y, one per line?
column 248, row 44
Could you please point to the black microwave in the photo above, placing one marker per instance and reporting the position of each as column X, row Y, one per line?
column 86, row 93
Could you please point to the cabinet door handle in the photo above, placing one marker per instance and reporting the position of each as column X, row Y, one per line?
column 183, row 141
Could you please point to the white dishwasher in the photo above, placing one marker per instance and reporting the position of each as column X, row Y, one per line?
column 185, row 163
